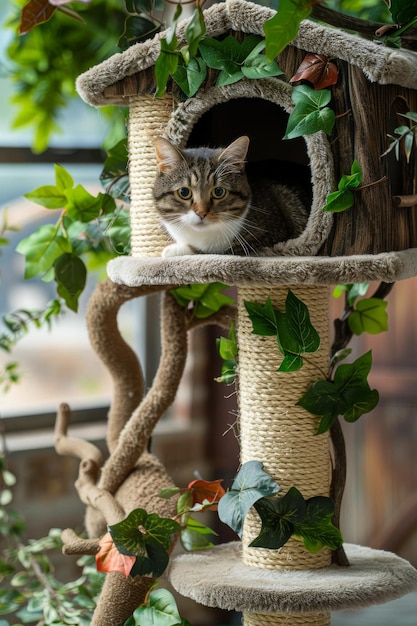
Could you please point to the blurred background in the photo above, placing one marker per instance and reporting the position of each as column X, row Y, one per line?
column 197, row 434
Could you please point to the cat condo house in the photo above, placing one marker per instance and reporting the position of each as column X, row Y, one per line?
column 375, row 240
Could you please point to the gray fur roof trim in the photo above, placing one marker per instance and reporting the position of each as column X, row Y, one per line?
column 379, row 63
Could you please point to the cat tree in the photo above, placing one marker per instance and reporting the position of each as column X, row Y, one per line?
column 290, row 585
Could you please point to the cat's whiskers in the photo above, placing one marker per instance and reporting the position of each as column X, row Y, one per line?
column 237, row 235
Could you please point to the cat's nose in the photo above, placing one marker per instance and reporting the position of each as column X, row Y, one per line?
column 201, row 212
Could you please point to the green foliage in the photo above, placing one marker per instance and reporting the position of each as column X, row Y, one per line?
column 87, row 226
column 21, row 321
column 147, row 537
column 194, row 535
column 140, row 23
column 238, row 60
column 338, row 201
column 348, row 394
column 114, row 176
column 311, row 113
column 227, row 348
column 29, row 588
column 369, row 316
column 402, row 12
column 283, row 27
column 203, row 300
column 352, row 291
column 406, row 139
column 251, row 483
column 291, row 515
column 293, row 329
column 45, row 62
column 160, row 611
column 188, row 64
column 282, row 517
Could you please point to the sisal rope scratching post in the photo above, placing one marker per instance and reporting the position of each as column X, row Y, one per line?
column 307, row 619
column 147, row 120
column 280, row 434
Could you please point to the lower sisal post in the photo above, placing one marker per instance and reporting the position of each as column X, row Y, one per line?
column 280, row 434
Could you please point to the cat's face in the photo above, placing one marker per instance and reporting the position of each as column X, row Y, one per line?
column 202, row 195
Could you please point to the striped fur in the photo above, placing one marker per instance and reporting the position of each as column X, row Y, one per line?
column 208, row 205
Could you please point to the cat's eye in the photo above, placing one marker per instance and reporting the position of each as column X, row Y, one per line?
column 184, row 193
column 218, row 192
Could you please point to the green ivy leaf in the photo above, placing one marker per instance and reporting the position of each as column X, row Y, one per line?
column 161, row 611
column 295, row 333
column 352, row 180
column 168, row 58
column 317, row 529
column 63, row 178
column 189, row 77
column 348, row 395
column 283, row 27
column 82, row 206
column 206, row 298
column 114, row 176
column 146, row 536
column 370, row 316
column 228, row 351
column 279, row 517
column 194, row 535
column 47, row 196
column 136, row 28
column 251, row 483
column 310, row 113
column 338, row 201
column 299, row 325
column 195, row 31
column 41, row 249
column 353, row 291
column 263, row 318
column 71, row 277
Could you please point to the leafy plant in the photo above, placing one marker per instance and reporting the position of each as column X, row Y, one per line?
column 227, row 348
column 343, row 198
column 145, row 537
column 283, row 27
column 311, row 113
column 282, row 517
column 348, row 394
column 406, row 138
column 86, row 225
column 295, row 334
column 368, row 315
column 44, row 63
column 160, row 611
column 29, row 588
column 188, row 64
column 202, row 300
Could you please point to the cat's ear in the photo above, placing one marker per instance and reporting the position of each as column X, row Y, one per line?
column 235, row 154
column 167, row 155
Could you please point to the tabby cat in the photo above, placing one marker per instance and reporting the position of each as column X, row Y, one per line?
column 208, row 204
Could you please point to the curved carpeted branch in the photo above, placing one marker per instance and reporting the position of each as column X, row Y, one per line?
column 115, row 353
column 134, row 437
column 71, row 446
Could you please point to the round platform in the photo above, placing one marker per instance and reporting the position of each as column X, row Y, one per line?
column 241, row 271
column 217, row 577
